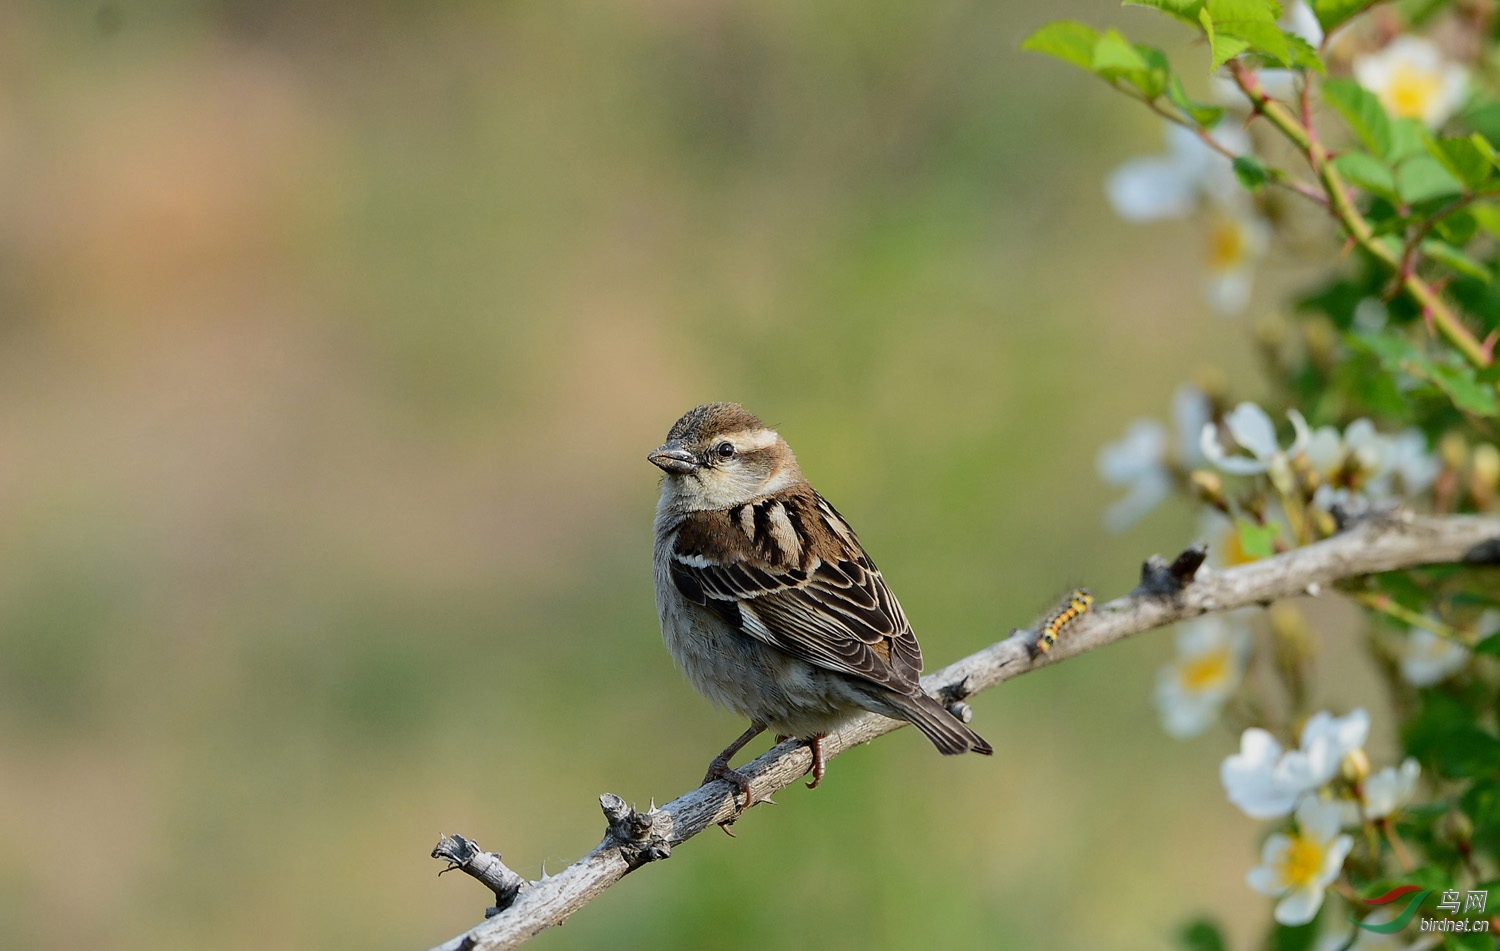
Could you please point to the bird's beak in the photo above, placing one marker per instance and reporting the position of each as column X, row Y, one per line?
column 673, row 458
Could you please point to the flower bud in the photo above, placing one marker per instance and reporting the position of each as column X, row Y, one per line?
column 1453, row 450
column 1456, row 827
column 1208, row 487
column 1355, row 766
column 1281, row 474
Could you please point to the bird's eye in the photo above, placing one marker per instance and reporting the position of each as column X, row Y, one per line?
column 724, row 449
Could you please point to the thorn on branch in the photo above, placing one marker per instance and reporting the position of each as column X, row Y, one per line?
column 641, row 837
column 1161, row 579
column 466, row 856
column 953, row 695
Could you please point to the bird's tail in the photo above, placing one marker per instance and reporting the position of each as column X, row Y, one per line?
column 947, row 732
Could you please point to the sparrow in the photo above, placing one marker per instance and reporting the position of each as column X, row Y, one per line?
column 768, row 602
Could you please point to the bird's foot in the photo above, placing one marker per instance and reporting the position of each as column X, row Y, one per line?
column 720, row 769
column 819, row 763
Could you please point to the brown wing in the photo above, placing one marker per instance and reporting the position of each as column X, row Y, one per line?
column 811, row 591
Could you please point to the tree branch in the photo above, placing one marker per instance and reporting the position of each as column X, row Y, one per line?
column 1168, row 593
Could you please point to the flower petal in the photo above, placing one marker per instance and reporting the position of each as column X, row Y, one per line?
column 1318, row 820
column 1252, row 429
column 1151, row 189
column 1299, row 907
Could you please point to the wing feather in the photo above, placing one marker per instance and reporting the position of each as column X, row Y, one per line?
column 832, row 608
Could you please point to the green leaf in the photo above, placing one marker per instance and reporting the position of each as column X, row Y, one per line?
column 1422, row 178
column 1257, row 541
column 1483, row 116
column 1185, row 10
column 1251, row 21
column 1202, row 113
column 1468, row 751
column 1363, row 113
column 1458, row 229
column 1249, row 170
column 1446, row 254
column 1400, row 587
column 1408, row 138
column 1331, row 13
column 1486, row 217
column 1115, row 54
column 1467, row 393
column 1490, row 645
column 1457, row 382
column 1154, row 81
column 1302, row 54
column 1485, row 148
column 1466, row 161
column 1223, row 47
column 1067, row 40
column 1367, row 172
column 1201, row 935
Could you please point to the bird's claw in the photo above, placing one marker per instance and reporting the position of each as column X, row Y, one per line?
column 819, row 763
column 720, row 769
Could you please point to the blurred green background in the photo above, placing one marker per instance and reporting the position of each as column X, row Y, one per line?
column 333, row 336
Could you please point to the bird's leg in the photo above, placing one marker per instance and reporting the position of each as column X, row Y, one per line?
column 819, row 763
column 720, row 768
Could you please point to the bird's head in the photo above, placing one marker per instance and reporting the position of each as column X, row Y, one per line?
column 720, row 455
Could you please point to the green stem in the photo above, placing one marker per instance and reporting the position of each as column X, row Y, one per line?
column 1387, row 606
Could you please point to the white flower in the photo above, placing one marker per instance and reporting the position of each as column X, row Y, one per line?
column 1266, row 782
column 1427, row 658
column 1253, row 431
column 1413, row 80
column 1137, row 460
column 1250, row 779
column 1238, row 237
column 1211, row 654
column 1297, row 868
column 1363, row 464
column 1141, row 459
column 1326, row 740
column 1390, row 789
column 1412, row 463
column 1159, row 187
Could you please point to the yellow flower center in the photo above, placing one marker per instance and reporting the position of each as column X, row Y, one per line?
column 1300, row 862
column 1227, row 246
column 1410, row 90
column 1209, row 670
